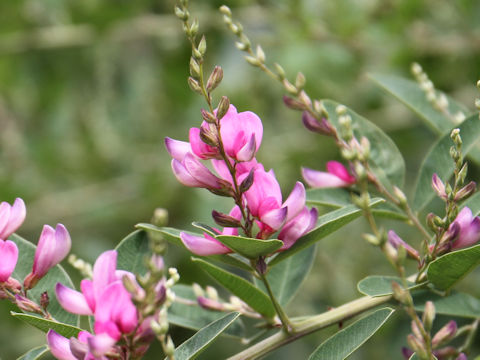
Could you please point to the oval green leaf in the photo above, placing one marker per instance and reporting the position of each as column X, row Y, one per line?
column 255, row 298
column 35, row 353
column 438, row 161
column 186, row 313
column 248, row 247
column 326, row 225
column 450, row 268
column 133, row 252
column 455, row 304
column 44, row 325
column 191, row 348
column 346, row 341
column 379, row 285
column 57, row 274
column 286, row 278
column 386, row 160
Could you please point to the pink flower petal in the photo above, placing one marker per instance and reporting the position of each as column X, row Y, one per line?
column 45, row 252
column 203, row 246
column 200, row 172
column 104, row 272
column 321, row 179
column 177, row 149
column 248, row 151
column 297, row 227
column 9, row 257
column 59, row 346
column 338, row 169
column 295, row 201
column 11, row 220
column 183, row 176
column 199, row 148
column 72, row 300
column 275, row 218
column 87, row 290
column 100, row 344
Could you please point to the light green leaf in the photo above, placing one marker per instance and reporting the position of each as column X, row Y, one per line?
column 185, row 312
column 438, row 161
column 326, row 225
column 47, row 283
column 410, row 93
column 386, row 160
column 191, row 348
column 455, row 304
column 208, row 229
column 173, row 235
column 286, row 278
column 250, row 248
column 450, row 268
column 346, row 341
column 35, row 353
column 133, row 252
column 338, row 197
column 240, row 287
column 378, row 285
column 44, row 325
column 473, row 203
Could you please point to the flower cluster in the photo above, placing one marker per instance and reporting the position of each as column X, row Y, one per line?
column 230, row 140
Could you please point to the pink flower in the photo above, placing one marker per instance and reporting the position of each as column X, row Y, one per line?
column 469, row 233
column 337, row 175
column 208, row 245
column 11, row 217
column 9, row 257
column 297, row 227
column 85, row 347
column 396, row 241
column 104, row 296
column 53, row 247
column 264, row 200
column 191, row 172
column 311, row 123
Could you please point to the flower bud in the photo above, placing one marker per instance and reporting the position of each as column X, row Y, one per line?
column 197, row 290
column 215, row 78
column 300, row 81
column 439, row 186
column 160, row 217
column 225, row 10
column 399, row 293
column 372, row 239
column 289, row 87
column 417, row 346
column 260, row 54
column 208, row 117
column 209, row 304
column 466, row 191
column 280, row 71
column 209, row 136
column 225, row 220
column 223, row 107
column 202, row 45
column 252, row 60
column 247, row 182
column 293, row 103
column 428, row 315
column 194, row 85
column 194, row 68
column 44, row 300
column 28, row 305
column 445, row 334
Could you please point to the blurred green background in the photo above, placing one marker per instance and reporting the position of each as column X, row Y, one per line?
column 89, row 89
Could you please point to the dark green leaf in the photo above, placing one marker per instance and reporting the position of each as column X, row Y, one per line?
column 455, row 304
column 133, row 252
column 346, row 341
column 240, row 287
column 186, row 313
column 438, row 161
column 191, row 348
column 410, row 93
column 250, row 248
column 386, row 160
column 43, row 324
column 35, row 353
column 378, row 285
column 47, row 283
column 285, row 279
column 326, row 225
column 208, row 229
column 450, row 268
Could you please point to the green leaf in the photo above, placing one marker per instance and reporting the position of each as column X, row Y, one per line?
column 410, row 93
column 47, row 283
column 346, row 341
column 191, row 348
column 286, row 278
column 415, row 357
column 133, row 252
column 250, row 248
column 455, row 304
column 185, row 312
column 173, row 235
column 240, row 287
column 386, row 160
column 473, row 202
column 327, row 224
column 378, row 285
column 450, row 268
column 44, row 325
column 208, row 229
column 438, row 161
column 35, row 353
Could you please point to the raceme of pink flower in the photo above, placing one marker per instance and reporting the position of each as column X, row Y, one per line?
column 469, row 233
column 396, row 241
column 9, row 257
column 297, row 227
column 11, row 217
column 208, row 245
column 264, row 200
column 104, row 296
column 85, row 347
column 336, row 175
column 53, row 246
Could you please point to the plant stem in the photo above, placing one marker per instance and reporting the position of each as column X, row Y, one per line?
column 311, row 325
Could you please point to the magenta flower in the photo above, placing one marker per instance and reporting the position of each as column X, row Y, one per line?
column 85, row 347
column 469, row 233
column 336, row 175
column 11, row 217
column 297, row 227
column 396, row 241
column 191, row 172
column 9, row 257
column 53, row 246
